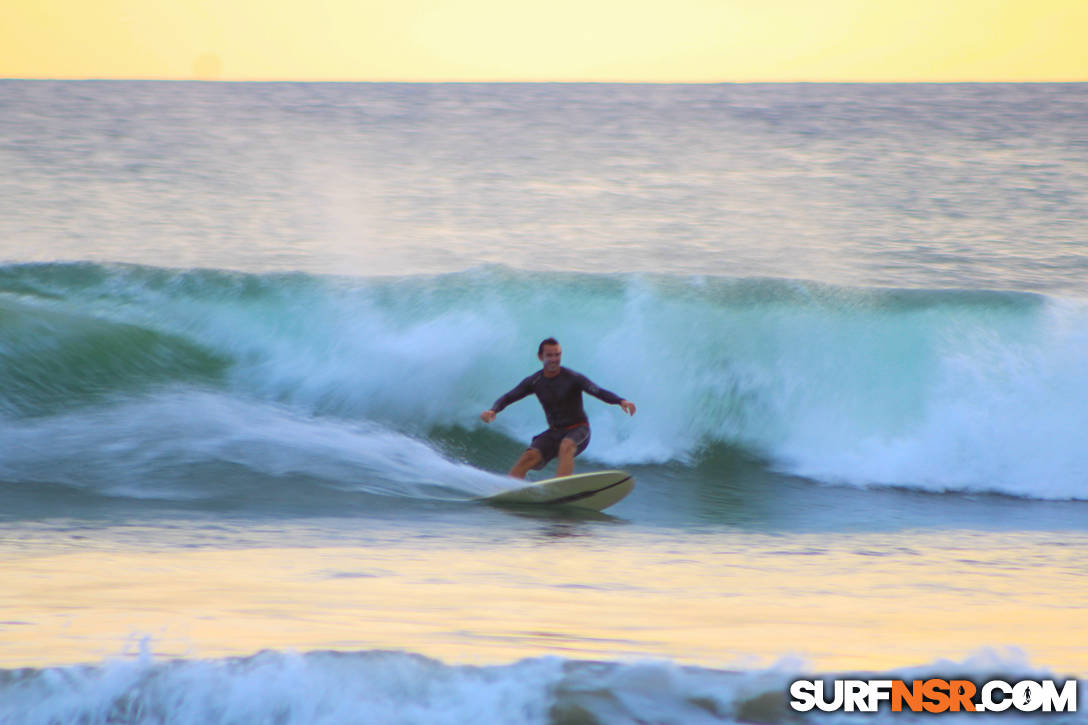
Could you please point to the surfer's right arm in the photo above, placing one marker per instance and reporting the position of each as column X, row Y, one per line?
column 520, row 391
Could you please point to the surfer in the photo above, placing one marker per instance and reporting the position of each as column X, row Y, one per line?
column 559, row 391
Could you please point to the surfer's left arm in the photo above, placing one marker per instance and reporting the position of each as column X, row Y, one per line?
column 606, row 395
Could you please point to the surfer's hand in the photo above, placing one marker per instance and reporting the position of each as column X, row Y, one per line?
column 487, row 416
column 628, row 407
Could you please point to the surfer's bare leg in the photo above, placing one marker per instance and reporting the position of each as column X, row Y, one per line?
column 529, row 458
column 567, row 449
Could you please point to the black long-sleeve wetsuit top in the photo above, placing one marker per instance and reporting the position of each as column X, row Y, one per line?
column 561, row 396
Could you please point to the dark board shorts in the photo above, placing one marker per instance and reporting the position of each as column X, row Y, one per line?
column 548, row 442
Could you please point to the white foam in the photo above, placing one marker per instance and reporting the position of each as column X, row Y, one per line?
column 131, row 448
column 390, row 687
column 999, row 414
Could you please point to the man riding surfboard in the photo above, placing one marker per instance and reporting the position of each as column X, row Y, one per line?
column 559, row 391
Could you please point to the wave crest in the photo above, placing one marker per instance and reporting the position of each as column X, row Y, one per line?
column 940, row 389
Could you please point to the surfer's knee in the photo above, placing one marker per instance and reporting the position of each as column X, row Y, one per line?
column 531, row 457
column 567, row 447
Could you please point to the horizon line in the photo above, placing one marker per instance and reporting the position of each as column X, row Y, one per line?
column 546, row 81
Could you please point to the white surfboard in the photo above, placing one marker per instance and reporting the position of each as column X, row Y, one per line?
column 597, row 491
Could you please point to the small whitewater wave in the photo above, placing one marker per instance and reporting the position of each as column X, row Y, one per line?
column 936, row 389
column 388, row 687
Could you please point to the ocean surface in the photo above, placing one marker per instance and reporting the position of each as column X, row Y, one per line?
column 247, row 330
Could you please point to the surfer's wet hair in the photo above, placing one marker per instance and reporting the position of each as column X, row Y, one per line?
column 546, row 341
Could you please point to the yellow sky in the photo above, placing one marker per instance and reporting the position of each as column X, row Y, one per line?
column 599, row 40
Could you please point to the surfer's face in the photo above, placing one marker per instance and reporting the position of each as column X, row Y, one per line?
column 550, row 356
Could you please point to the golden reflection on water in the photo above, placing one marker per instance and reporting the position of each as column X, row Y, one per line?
column 840, row 601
